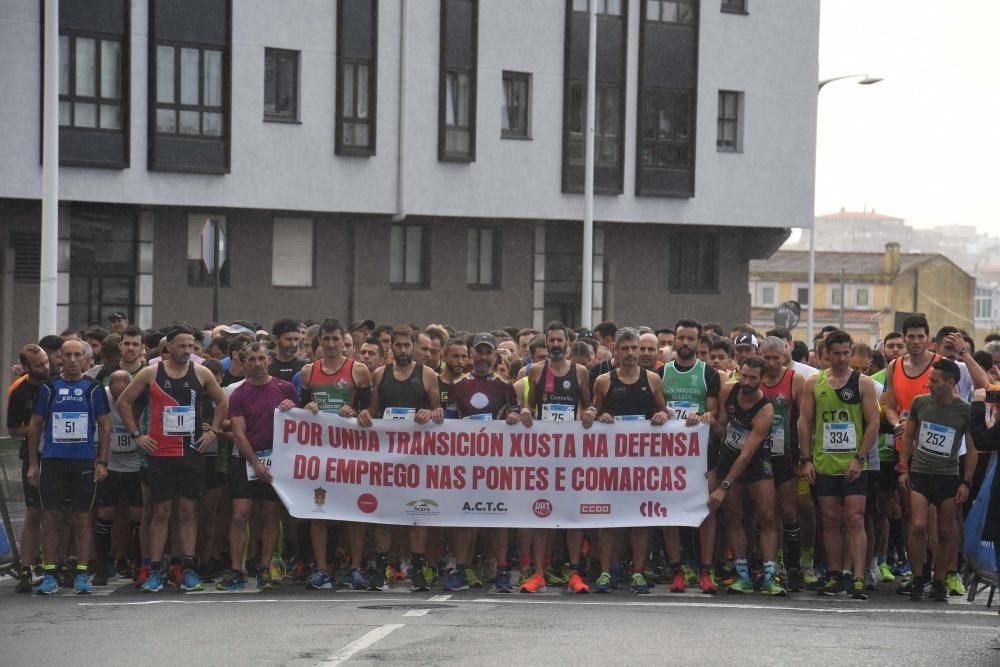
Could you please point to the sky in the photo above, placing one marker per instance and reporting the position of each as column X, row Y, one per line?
column 924, row 143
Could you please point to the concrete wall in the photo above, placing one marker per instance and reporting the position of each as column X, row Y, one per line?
column 23, row 216
column 945, row 294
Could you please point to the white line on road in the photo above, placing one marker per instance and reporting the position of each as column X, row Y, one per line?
column 360, row 644
column 417, row 612
column 439, row 598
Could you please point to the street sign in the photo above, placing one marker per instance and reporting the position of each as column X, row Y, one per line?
column 787, row 315
column 207, row 241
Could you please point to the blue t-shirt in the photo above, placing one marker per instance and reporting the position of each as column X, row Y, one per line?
column 70, row 411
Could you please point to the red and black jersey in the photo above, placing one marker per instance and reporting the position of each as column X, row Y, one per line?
column 175, row 406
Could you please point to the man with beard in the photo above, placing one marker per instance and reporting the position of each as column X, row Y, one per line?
column 370, row 354
column 287, row 339
column 691, row 391
column 745, row 429
column 454, row 357
column 407, row 391
column 130, row 356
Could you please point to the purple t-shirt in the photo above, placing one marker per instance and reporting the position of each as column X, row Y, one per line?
column 256, row 404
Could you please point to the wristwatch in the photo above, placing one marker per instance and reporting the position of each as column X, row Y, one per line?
column 804, row 460
column 136, row 433
column 725, row 485
column 860, row 458
column 967, row 483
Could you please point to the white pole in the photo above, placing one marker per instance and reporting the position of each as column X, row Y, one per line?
column 587, row 288
column 812, row 282
column 48, row 285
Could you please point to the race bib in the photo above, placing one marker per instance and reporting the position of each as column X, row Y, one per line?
column 682, row 409
column 265, row 457
column 736, row 436
column 936, row 439
column 839, row 438
column 70, row 426
column 630, row 418
column 481, row 418
column 121, row 441
column 178, row 420
column 326, row 403
column 557, row 412
column 399, row 414
column 778, row 437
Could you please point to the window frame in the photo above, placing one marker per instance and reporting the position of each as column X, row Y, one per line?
column 870, row 289
column 721, row 145
column 607, row 91
column 735, row 7
column 444, row 74
column 340, row 119
column 796, row 288
column 645, row 142
column 680, row 242
column 284, row 116
column 495, row 260
column 201, row 108
column 312, row 250
column 831, row 291
column 982, row 295
column 526, row 78
column 425, row 278
column 760, row 294
column 601, row 9
column 692, row 4
column 97, row 100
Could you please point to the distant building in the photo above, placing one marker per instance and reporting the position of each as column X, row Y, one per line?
column 876, row 287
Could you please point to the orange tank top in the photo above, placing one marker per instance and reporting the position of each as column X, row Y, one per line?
column 907, row 388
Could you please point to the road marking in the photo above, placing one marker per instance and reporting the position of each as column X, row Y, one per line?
column 439, row 598
column 417, row 612
column 361, row 644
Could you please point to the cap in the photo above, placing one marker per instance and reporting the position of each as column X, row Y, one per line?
column 117, row 315
column 238, row 329
column 484, row 339
column 246, row 324
column 360, row 324
column 746, row 339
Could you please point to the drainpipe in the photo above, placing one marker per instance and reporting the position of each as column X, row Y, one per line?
column 401, row 141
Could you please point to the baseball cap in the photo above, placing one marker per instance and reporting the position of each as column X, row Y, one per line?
column 361, row 324
column 484, row 339
column 117, row 315
column 746, row 340
column 238, row 329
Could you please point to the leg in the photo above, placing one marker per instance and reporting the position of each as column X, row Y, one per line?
column 318, row 533
column 763, row 497
column 242, row 507
column 159, row 525
column 830, row 511
column 854, row 509
column 83, row 525
column 187, row 524
column 271, row 515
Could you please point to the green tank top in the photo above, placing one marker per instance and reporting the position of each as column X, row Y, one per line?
column 685, row 392
column 332, row 392
column 886, row 441
column 839, row 424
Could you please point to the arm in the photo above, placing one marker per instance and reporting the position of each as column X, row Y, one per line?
column 435, row 412
column 906, row 452
column 971, row 460
column 660, row 412
column 246, row 450
column 807, row 414
column 34, row 436
column 722, row 421
column 305, row 391
column 103, row 448
column 601, row 386
column 221, row 401
column 986, row 439
column 139, row 384
column 362, row 392
column 760, row 431
column 375, row 407
column 891, row 406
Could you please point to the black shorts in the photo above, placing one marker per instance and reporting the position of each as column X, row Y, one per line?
column 935, row 488
column 713, row 454
column 834, row 485
column 782, row 468
column 118, row 486
column 888, row 478
column 32, row 500
column 171, row 477
column 871, row 505
column 213, row 478
column 67, row 485
column 758, row 469
column 241, row 488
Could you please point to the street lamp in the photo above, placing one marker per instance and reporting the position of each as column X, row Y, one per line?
column 865, row 81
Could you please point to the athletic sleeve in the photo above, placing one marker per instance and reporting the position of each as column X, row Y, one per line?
column 712, row 382
column 100, row 400
column 17, row 412
column 42, row 404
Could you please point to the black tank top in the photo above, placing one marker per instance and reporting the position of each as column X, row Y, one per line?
column 409, row 393
column 741, row 422
column 175, row 412
column 629, row 399
column 561, row 390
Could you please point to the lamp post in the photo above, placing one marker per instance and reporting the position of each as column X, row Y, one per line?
column 865, row 81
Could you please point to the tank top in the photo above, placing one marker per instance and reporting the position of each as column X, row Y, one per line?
column 556, row 397
column 332, row 391
column 685, row 391
column 408, row 393
column 740, row 424
column 886, row 441
column 780, row 396
column 447, row 402
column 629, row 399
column 839, row 424
column 175, row 412
column 907, row 388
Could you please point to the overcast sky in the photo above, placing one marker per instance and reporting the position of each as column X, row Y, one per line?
column 924, row 144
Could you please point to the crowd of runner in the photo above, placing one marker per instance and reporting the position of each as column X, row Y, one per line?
column 835, row 468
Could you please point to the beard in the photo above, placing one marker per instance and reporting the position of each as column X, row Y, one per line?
column 746, row 389
column 557, row 353
column 684, row 353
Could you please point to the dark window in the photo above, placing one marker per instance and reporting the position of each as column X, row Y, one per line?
column 694, row 262
column 90, row 82
column 729, row 139
column 673, row 11
column 281, row 85
column 666, row 129
column 102, row 263
column 27, row 256
column 408, row 256
column 457, row 86
column 603, row 7
column 482, row 258
column 357, row 81
column 802, row 295
column 189, row 89
column 734, row 6
column 607, row 124
column 515, row 110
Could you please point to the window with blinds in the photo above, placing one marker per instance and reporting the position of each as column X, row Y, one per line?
column 292, row 253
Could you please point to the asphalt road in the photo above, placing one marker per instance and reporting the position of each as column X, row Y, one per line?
column 291, row 626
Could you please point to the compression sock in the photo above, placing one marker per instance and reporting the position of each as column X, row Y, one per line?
column 793, row 546
column 102, row 539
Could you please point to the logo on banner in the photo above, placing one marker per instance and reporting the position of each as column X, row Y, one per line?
column 484, row 507
column 367, row 503
column 422, row 507
column 319, row 498
column 595, row 508
column 652, row 508
column 542, row 508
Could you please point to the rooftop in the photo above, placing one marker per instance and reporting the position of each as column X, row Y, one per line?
column 872, row 215
column 797, row 261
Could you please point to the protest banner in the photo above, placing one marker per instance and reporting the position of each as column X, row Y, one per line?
column 475, row 473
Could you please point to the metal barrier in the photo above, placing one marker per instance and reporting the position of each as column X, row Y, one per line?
column 12, row 507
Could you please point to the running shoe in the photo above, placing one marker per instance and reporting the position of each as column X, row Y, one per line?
column 707, row 583
column 523, row 575
column 377, row 580
column 553, row 578
column 770, row 586
column 175, row 575
column 603, row 583
column 123, row 569
column 392, row 573
column 639, row 585
column 191, row 581
column 914, row 588
column 430, row 575
column 939, row 593
column 264, row 581
column 48, row 586
column 833, row 586
column 858, row 589
column 276, row 571
column 456, row 581
column 887, row 575
column 82, row 584
column 300, row 573
column 232, row 580
column 954, row 584
column 690, row 576
column 64, row 574
column 576, row 585
column 319, row 579
column 355, row 580
column 24, row 581
column 741, row 585
column 678, row 583
column 869, row 580
column 488, row 569
column 615, row 572
column 37, row 574
column 810, row 579
column 472, row 579
column 535, row 584
column 795, row 582
column 210, row 570
column 100, row 576
column 418, row 582
column 502, row 584
column 153, row 583
column 902, row 568
column 141, row 575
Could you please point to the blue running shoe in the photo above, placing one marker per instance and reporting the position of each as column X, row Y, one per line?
column 502, row 584
column 191, row 581
column 153, row 583
column 456, row 581
column 356, row 580
column 603, row 583
column 48, row 585
column 615, row 572
column 232, row 580
column 82, row 584
column 319, row 579
column 639, row 585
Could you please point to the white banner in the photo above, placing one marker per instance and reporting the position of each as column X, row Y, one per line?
column 473, row 473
